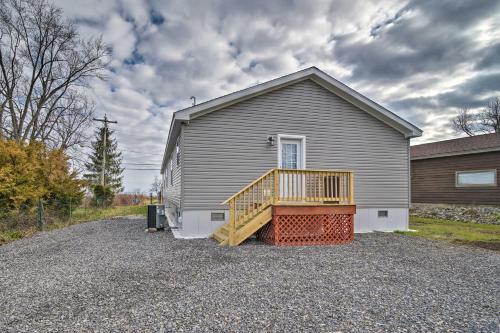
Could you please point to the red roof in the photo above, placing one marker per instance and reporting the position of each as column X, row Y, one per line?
column 461, row 146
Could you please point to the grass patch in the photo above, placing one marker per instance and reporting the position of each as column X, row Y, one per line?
column 80, row 215
column 12, row 235
column 90, row 214
column 479, row 235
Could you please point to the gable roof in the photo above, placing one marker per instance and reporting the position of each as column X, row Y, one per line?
column 312, row 73
column 462, row 146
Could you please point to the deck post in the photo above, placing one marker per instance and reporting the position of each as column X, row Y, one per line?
column 232, row 223
column 276, row 186
column 351, row 188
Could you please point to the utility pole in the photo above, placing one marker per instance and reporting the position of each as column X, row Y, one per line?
column 105, row 138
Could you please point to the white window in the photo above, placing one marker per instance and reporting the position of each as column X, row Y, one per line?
column 289, row 155
column 476, row 178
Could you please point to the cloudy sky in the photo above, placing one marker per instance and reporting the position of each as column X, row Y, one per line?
column 422, row 59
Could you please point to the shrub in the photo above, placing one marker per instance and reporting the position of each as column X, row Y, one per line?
column 32, row 172
column 103, row 196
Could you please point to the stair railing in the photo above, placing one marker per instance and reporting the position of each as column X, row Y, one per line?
column 288, row 186
column 310, row 186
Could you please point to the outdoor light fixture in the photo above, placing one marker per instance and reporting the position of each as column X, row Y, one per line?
column 270, row 140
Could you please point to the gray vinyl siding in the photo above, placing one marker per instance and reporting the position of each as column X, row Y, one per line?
column 173, row 192
column 226, row 149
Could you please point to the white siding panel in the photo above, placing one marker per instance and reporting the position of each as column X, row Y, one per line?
column 226, row 149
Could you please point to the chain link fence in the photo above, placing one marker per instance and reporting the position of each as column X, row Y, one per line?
column 49, row 214
column 42, row 213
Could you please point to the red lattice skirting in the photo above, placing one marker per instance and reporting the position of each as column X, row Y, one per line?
column 309, row 225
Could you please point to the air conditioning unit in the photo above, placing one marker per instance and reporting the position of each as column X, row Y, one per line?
column 156, row 217
column 161, row 219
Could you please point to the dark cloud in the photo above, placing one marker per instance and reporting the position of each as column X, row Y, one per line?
column 490, row 58
column 473, row 93
column 421, row 59
column 423, row 36
column 156, row 18
column 378, row 28
column 460, row 14
column 441, row 54
column 481, row 84
column 136, row 58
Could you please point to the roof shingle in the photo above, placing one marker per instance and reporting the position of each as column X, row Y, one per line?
column 461, row 146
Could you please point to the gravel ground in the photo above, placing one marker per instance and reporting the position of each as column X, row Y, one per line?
column 111, row 276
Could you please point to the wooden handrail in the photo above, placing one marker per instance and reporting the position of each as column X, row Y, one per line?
column 322, row 186
column 314, row 170
column 289, row 186
column 248, row 186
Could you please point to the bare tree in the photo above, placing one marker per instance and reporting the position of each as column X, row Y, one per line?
column 45, row 68
column 489, row 120
column 464, row 121
column 485, row 121
column 70, row 127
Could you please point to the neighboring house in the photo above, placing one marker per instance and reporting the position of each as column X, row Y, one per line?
column 306, row 121
column 458, row 171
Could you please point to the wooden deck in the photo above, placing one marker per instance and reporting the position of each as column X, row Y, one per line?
column 254, row 206
column 309, row 225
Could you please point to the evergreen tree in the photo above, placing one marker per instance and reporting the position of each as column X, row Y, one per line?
column 113, row 170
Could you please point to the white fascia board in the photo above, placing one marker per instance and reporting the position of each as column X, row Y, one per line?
column 173, row 123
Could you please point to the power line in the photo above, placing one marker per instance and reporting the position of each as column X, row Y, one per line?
column 142, row 169
column 131, row 163
column 129, row 151
column 147, row 163
column 140, row 163
column 140, row 152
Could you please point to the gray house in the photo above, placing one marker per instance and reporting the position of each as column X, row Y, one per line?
column 302, row 139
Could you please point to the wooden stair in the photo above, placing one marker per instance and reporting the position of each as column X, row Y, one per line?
column 252, row 207
column 244, row 230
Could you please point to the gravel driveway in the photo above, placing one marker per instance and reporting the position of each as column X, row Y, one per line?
column 112, row 276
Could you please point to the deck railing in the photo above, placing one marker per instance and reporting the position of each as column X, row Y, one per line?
column 289, row 186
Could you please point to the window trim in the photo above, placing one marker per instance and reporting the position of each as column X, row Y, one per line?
column 476, row 185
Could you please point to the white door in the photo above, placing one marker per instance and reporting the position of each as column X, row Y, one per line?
column 291, row 157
